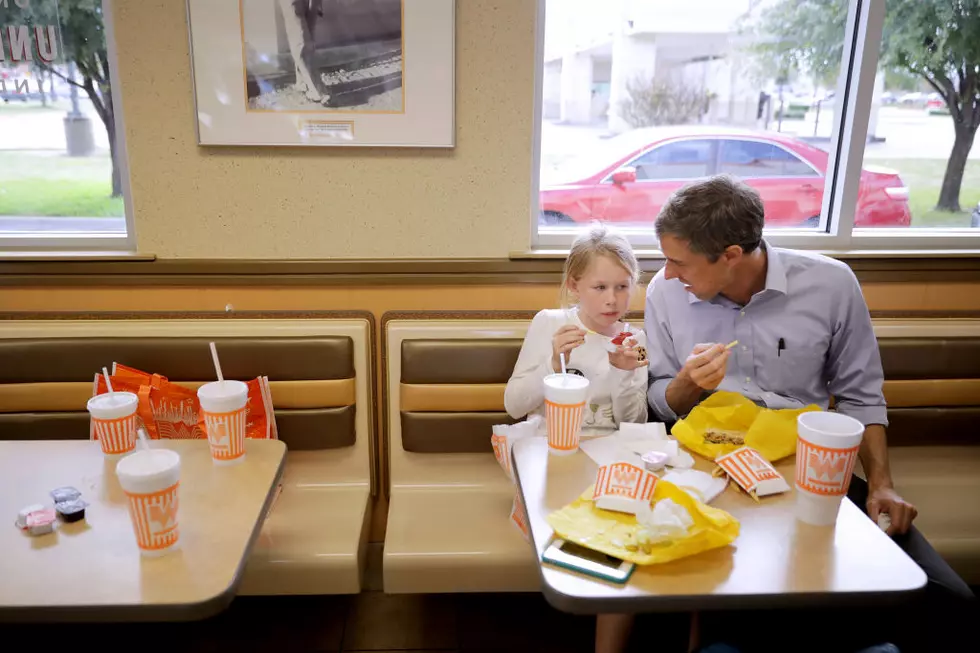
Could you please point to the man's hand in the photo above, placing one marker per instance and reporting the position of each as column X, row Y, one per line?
column 900, row 512
column 706, row 366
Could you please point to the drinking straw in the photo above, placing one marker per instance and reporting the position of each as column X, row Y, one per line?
column 217, row 363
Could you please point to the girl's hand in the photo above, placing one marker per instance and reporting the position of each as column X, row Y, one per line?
column 564, row 341
column 628, row 356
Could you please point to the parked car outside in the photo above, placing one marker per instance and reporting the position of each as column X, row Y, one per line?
column 628, row 178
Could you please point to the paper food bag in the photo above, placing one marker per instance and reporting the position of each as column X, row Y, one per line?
column 171, row 411
column 519, row 518
column 623, row 487
column 727, row 421
column 505, row 435
column 752, row 472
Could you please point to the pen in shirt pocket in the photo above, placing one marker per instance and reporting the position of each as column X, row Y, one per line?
column 780, row 347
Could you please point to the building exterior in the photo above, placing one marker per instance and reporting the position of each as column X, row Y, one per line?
column 593, row 49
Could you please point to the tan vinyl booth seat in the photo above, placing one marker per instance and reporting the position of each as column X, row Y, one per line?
column 314, row 539
column 932, row 386
column 448, row 515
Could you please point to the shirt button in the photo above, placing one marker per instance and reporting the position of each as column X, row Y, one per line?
column 744, row 348
column 742, row 313
column 748, row 380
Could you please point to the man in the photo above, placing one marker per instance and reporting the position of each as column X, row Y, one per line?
column 299, row 20
column 804, row 336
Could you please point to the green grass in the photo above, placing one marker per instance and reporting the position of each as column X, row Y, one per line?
column 924, row 177
column 49, row 184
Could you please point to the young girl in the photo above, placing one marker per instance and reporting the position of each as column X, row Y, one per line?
column 599, row 278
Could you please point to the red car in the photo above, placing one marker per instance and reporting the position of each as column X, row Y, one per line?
column 629, row 177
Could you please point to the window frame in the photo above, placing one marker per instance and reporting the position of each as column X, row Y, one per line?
column 74, row 243
column 836, row 235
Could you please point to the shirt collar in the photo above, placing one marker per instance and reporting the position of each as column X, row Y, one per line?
column 775, row 276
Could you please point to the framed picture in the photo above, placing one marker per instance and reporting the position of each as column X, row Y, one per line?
column 324, row 72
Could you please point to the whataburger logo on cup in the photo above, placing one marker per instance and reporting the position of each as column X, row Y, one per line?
column 114, row 421
column 564, row 400
column 223, row 408
column 151, row 480
column 823, row 470
column 826, row 451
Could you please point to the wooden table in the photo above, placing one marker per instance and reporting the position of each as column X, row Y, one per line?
column 92, row 570
column 775, row 562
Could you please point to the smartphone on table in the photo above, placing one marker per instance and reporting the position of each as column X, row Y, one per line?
column 569, row 555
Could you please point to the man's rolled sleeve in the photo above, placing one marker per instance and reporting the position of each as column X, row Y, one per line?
column 657, row 394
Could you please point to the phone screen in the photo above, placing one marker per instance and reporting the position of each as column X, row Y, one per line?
column 593, row 556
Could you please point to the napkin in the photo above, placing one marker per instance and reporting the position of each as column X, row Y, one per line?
column 666, row 521
column 700, row 485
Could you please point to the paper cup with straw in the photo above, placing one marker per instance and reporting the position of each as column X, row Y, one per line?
column 564, row 400
column 223, row 407
column 113, row 417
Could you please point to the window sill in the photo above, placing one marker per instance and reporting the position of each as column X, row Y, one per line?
column 897, row 254
column 74, row 256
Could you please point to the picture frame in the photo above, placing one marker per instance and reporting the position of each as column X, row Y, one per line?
column 339, row 73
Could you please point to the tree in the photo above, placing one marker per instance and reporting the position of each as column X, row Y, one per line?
column 649, row 102
column 939, row 40
column 82, row 41
column 936, row 40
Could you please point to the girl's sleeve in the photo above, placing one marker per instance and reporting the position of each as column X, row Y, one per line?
column 525, row 389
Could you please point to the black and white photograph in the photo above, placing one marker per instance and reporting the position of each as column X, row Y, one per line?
column 324, row 73
column 323, row 55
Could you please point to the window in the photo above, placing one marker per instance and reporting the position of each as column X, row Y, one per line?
column 678, row 160
column 847, row 136
column 63, row 177
column 919, row 153
column 756, row 159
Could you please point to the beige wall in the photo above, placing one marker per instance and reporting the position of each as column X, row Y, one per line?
column 194, row 202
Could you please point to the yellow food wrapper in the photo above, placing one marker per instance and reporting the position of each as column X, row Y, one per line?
column 770, row 432
column 583, row 523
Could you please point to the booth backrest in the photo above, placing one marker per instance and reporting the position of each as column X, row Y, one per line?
column 320, row 371
column 446, row 375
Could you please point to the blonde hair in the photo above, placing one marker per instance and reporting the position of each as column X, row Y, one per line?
column 599, row 240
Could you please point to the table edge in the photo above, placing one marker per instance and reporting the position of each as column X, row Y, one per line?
column 694, row 602
column 161, row 612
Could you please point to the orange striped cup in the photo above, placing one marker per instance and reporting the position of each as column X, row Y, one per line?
column 150, row 478
column 826, row 452
column 564, row 400
column 114, row 421
column 223, row 407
